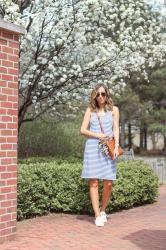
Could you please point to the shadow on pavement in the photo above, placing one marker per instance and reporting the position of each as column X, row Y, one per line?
column 148, row 239
column 88, row 218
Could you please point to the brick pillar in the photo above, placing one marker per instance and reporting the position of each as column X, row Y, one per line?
column 9, row 59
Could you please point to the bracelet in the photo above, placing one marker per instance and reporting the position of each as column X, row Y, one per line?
column 116, row 144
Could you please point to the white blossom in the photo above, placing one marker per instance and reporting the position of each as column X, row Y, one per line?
column 72, row 45
column 11, row 11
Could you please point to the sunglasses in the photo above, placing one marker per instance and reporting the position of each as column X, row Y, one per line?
column 103, row 94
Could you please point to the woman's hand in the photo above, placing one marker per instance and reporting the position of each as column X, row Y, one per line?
column 101, row 136
column 116, row 152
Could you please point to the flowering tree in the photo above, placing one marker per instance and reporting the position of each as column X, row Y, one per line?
column 71, row 45
column 9, row 10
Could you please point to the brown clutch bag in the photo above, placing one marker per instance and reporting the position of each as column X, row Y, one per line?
column 111, row 146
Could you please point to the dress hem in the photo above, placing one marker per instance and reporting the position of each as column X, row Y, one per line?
column 100, row 178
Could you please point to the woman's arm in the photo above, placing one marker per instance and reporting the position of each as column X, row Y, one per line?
column 116, row 125
column 84, row 127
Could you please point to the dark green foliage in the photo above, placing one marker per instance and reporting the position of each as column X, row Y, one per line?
column 56, row 186
column 51, row 138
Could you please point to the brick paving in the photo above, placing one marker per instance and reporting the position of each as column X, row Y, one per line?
column 141, row 228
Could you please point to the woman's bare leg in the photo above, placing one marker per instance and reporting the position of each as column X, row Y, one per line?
column 107, row 189
column 94, row 195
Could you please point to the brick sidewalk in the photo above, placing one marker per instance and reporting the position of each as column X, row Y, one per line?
column 141, row 228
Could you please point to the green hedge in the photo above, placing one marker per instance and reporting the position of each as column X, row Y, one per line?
column 56, row 186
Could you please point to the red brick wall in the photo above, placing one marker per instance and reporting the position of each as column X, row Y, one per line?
column 9, row 57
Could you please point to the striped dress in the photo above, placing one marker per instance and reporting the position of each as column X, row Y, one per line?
column 96, row 164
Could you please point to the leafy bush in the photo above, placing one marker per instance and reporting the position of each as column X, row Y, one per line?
column 56, row 186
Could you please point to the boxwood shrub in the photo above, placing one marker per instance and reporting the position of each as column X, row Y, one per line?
column 56, row 186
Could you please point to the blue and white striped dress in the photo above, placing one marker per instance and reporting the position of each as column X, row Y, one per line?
column 96, row 164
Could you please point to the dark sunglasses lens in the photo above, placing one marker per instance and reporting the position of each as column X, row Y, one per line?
column 103, row 94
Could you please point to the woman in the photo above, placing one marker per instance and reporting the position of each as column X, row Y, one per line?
column 96, row 165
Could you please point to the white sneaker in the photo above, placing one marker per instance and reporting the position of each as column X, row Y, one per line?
column 103, row 216
column 99, row 221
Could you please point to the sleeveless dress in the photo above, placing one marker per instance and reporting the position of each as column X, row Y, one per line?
column 96, row 164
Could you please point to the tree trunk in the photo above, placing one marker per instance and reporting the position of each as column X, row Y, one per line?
column 129, row 136
column 122, row 134
column 141, row 138
column 145, row 136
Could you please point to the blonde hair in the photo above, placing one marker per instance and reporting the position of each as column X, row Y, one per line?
column 93, row 104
